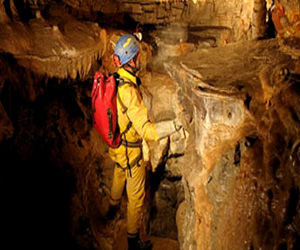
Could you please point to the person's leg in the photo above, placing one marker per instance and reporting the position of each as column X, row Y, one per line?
column 117, row 188
column 135, row 187
column 118, row 184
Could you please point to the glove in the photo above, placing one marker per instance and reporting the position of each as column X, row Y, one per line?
column 177, row 124
column 184, row 118
column 146, row 151
column 166, row 128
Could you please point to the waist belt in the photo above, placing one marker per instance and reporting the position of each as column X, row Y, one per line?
column 135, row 162
column 127, row 144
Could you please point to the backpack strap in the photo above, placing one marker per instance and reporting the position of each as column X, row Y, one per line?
column 124, row 108
column 94, row 97
column 122, row 81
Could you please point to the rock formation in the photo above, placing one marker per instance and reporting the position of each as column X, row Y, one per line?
column 59, row 47
column 231, row 123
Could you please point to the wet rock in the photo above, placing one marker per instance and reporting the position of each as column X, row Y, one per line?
column 159, row 96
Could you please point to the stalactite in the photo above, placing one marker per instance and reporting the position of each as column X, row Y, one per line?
column 3, row 15
column 73, row 70
column 14, row 11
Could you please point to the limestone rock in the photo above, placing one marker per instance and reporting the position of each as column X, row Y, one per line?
column 285, row 16
column 177, row 142
column 159, row 89
column 259, row 25
column 160, row 243
column 233, row 15
column 158, row 152
column 180, row 217
column 47, row 48
column 230, row 125
column 163, row 223
column 174, row 167
column 92, row 6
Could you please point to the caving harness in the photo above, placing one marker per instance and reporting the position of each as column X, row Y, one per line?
column 105, row 116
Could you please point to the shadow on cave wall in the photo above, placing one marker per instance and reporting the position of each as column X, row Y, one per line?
column 37, row 203
column 37, row 191
column 40, row 184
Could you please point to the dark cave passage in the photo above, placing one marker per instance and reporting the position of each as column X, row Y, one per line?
column 37, row 203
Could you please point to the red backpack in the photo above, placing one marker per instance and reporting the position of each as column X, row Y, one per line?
column 105, row 113
column 104, row 101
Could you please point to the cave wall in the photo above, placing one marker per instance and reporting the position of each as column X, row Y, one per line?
column 241, row 188
column 285, row 15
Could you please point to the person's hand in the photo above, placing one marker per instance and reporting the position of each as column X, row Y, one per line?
column 166, row 128
column 183, row 119
column 146, row 151
column 177, row 124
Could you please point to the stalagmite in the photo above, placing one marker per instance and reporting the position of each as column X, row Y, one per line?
column 259, row 17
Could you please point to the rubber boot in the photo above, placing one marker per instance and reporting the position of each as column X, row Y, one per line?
column 134, row 243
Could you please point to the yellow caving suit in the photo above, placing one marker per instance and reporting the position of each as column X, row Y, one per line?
column 141, row 128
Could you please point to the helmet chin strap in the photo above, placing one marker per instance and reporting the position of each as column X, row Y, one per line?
column 134, row 70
